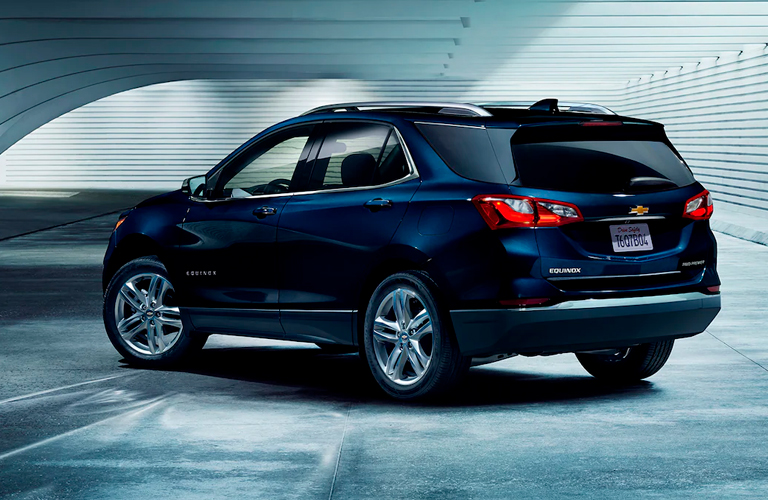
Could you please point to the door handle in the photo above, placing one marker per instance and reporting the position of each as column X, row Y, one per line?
column 378, row 204
column 262, row 212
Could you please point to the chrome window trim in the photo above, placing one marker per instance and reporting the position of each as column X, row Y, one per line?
column 414, row 173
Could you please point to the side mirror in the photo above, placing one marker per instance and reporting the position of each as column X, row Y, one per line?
column 193, row 186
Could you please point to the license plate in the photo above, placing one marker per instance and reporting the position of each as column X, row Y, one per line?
column 631, row 238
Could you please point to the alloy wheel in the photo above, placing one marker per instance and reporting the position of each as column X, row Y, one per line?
column 403, row 337
column 146, row 316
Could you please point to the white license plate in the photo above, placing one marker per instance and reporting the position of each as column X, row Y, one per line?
column 631, row 238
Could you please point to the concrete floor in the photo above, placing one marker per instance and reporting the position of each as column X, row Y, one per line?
column 263, row 419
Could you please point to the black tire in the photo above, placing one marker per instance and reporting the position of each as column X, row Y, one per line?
column 184, row 345
column 630, row 365
column 446, row 365
column 337, row 348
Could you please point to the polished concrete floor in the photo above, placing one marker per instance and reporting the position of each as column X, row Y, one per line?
column 259, row 419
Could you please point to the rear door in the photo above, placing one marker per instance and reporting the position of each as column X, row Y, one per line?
column 631, row 187
column 330, row 238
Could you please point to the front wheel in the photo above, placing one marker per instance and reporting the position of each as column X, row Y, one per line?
column 409, row 345
column 629, row 364
column 142, row 317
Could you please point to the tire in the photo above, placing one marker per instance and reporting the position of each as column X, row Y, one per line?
column 337, row 348
column 429, row 363
column 629, row 365
column 142, row 280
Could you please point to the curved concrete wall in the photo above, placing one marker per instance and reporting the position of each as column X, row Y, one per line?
column 716, row 113
column 156, row 136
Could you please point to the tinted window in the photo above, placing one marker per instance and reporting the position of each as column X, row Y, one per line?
column 600, row 166
column 358, row 154
column 393, row 165
column 466, row 150
column 268, row 167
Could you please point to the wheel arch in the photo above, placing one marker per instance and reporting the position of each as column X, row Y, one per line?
column 400, row 259
column 130, row 247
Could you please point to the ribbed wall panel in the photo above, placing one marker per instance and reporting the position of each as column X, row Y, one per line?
column 717, row 117
column 156, row 136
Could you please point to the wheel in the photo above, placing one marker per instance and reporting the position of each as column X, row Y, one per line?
column 630, row 364
column 141, row 317
column 337, row 348
column 409, row 344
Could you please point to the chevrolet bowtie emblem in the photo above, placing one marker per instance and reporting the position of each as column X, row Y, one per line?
column 639, row 210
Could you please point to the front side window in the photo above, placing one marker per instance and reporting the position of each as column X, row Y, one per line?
column 358, row 155
column 269, row 167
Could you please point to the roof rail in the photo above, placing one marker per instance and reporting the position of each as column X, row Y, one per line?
column 563, row 107
column 448, row 108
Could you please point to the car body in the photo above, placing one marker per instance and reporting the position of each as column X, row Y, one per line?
column 535, row 230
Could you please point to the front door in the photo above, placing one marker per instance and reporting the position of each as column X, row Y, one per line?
column 228, row 249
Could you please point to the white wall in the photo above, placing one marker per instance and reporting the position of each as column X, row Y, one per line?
column 716, row 114
column 154, row 137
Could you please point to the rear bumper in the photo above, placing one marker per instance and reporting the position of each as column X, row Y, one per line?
column 583, row 325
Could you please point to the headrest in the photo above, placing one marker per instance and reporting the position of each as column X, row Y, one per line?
column 357, row 169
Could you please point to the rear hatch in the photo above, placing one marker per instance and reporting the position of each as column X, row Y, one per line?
column 631, row 188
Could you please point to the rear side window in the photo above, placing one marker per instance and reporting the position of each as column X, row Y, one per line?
column 616, row 166
column 358, row 155
column 466, row 150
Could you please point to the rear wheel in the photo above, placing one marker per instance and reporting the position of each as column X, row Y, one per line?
column 409, row 345
column 142, row 317
column 629, row 364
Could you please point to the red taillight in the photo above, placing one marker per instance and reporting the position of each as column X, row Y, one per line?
column 714, row 289
column 502, row 211
column 699, row 207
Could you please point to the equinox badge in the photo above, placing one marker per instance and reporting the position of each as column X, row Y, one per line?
column 639, row 210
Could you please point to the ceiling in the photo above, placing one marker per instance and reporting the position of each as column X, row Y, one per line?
column 56, row 56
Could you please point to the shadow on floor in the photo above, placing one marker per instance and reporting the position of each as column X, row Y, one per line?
column 307, row 374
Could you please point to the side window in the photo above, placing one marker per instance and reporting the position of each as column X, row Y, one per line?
column 392, row 165
column 358, row 154
column 269, row 167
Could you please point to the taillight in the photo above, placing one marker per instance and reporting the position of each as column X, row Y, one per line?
column 502, row 211
column 699, row 207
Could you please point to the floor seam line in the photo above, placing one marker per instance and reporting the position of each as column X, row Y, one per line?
column 737, row 351
column 62, row 224
column 338, row 457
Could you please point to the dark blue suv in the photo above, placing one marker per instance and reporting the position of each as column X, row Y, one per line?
column 430, row 237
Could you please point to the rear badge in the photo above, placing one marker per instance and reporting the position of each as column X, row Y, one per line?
column 564, row 270
column 639, row 210
column 693, row 263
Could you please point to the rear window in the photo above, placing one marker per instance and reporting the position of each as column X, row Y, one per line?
column 616, row 166
column 469, row 151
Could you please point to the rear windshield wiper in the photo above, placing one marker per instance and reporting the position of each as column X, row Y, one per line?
column 650, row 181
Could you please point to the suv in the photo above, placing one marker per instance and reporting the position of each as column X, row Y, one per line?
column 430, row 237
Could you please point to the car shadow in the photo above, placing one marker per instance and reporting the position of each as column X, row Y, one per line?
column 308, row 374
